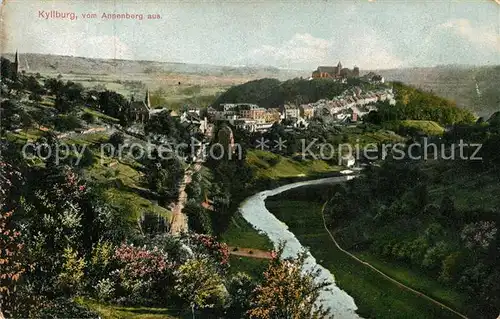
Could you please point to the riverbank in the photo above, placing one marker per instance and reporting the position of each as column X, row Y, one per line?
column 375, row 295
column 240, row 233
column 254, row 211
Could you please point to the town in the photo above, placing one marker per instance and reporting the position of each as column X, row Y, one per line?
column 345, row 108
column 244, row 160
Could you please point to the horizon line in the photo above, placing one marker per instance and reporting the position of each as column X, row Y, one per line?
column 246, row 66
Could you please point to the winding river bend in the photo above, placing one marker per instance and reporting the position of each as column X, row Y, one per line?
column 255, row 212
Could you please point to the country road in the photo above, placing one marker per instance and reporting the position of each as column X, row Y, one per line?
column 179, row 223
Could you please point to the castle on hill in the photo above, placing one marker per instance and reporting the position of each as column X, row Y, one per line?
column 335, row 72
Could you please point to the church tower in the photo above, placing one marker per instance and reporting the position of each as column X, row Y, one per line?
column 147, row 100
column 15, row 66
column 339, row 67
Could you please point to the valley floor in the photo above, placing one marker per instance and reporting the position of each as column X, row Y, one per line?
column 375, row 296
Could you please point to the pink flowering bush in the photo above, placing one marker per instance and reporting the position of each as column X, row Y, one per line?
column 143, row 276
column 139, row 262
column 208, row 245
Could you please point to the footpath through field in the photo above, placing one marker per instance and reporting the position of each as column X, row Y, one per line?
column 401, row 285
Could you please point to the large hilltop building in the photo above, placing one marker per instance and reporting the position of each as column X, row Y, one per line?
column 335, row 72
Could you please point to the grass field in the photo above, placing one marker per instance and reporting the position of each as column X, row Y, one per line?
column 241, row 234
column 101, row 116
column 117, row 312
column 375, row 296
column 254, row 267
column 427, row 127
column 268, row 165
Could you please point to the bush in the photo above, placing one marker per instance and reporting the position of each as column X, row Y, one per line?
column 71, row 277
column 144, row 275
column 89, row 118
column 198, row 219
column 116, row 139
column 64, row 308
column 105, row 289
column 66, row 123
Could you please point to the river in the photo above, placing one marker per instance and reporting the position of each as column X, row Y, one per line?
column 255, row 212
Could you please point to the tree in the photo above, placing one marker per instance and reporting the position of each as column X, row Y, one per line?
column 144, row 273
column 287, row 292
column 10, row 258
column 193, row 190
column 112, row 103
column 10, row 113
column 11, row 243
column 54, row 86
column 452, row 265
column 163, row 176
column 198, row 219
column 6, row 68
column 88, row 117
column 65, row 123
column 199, row 284
column 33, row 85
column 116, row 139
column 51, row 214
column 447, row 207
column 71, row 277
column 164, row 124
column 240, row 289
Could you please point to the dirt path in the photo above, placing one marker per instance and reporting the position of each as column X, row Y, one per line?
column 250, row 252
column 401, row 285
column 178, row 222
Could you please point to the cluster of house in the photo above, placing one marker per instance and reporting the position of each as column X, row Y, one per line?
column 349, row 106
column 247, row 116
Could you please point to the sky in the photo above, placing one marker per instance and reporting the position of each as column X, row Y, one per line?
column 376, row 34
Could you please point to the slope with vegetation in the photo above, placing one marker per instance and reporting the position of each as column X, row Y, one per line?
column 83, row 237
column 270, row 93
column 414, row 104
column 375, row 296
column 472, row 87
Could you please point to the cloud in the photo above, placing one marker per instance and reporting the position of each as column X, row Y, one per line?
column 81, row 44
column 306, row 51
column 301, row 48
column 485, row 37
column 107, row 47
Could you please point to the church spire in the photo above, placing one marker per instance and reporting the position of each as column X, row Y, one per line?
column 147, row 100
column 15, row 66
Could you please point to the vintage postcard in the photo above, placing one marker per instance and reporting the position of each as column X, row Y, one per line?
column 256, row 159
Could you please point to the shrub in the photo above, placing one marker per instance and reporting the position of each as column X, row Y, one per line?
column 105, row 289
column 88, row 117
column 64, row 308
column 116, row 139
column 71, row 277
column 67, row 123
column 144, row 275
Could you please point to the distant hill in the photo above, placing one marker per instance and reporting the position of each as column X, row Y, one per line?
column 273, row 93
column 456, row 82
column 43, row 63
